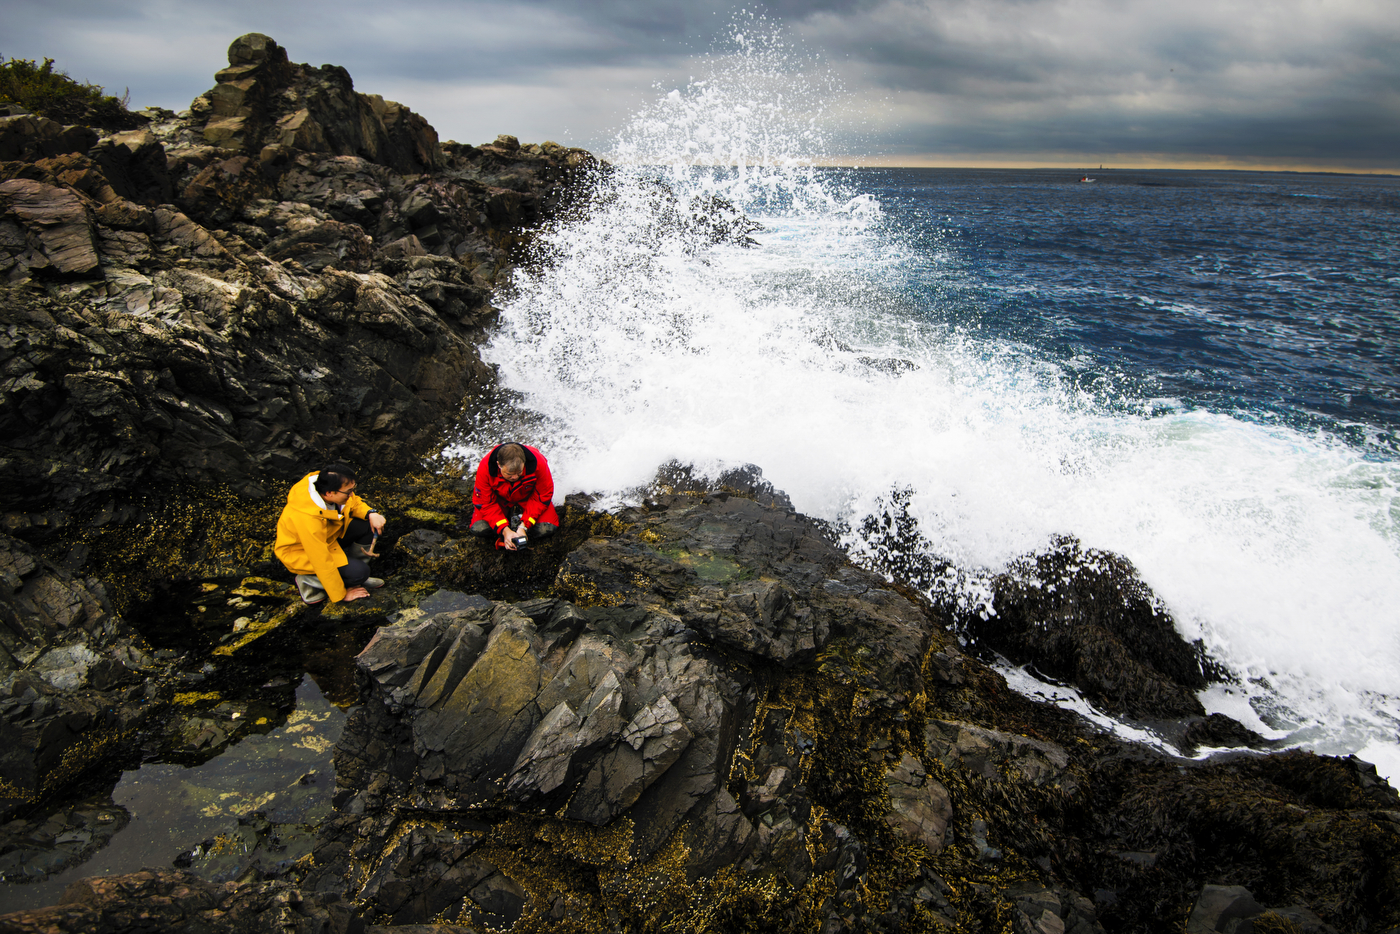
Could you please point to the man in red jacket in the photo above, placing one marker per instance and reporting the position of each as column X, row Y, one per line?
column 513, row 496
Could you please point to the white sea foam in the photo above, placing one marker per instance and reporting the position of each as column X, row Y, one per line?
column 635, row 343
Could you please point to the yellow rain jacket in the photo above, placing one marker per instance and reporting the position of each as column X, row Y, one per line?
column 309, row 532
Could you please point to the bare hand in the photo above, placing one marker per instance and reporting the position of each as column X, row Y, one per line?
column 377, row 522
column 356, row 593
column 510, row 535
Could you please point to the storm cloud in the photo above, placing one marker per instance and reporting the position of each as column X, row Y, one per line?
column 1286, row 82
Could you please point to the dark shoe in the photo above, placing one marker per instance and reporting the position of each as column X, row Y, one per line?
column 372, row 583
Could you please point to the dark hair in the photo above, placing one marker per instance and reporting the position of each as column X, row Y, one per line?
column 332, row 477
column 510, row 455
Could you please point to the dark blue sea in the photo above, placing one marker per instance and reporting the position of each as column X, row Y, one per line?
column 1271, row 296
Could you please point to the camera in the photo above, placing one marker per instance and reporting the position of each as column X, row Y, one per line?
column 521, row 542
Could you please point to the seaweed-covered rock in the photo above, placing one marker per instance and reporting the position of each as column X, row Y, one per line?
column 759, row 579
column 1084, row 616
column 1295, row 829
column 180, row 901
column 624, row 713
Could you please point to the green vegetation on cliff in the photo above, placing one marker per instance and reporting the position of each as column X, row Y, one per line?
column 42, row 90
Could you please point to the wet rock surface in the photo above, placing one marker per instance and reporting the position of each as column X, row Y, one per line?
column 51, row 842
column 179, row 901
column 1083, row 616
column 618, row 715
column 72, row 673
column 193, row 312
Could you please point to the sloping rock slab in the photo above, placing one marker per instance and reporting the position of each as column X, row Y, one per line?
column 181, row 901
column 763, row 580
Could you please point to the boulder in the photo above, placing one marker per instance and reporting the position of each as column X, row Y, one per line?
column 920, row 806
column 761, row 617
column 57, row 222
column 134, row 164
column 1226, row 909
column 1084, row 616
column 995, row 755
column 28, row 138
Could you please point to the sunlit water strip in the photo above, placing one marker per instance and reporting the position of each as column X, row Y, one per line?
column 285, row 774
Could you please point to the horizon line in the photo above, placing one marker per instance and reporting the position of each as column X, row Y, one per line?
column 1118, row 165
column 1119, row 162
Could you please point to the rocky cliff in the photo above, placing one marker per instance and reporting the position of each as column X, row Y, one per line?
column 693, row 714
column 287, row 271
column 196, row 311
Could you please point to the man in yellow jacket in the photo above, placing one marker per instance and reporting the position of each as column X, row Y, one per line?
column 323, row 511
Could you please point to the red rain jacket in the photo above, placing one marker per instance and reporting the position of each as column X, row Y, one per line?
column 493, row 495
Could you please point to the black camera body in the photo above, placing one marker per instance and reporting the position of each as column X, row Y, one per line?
column 521, row 542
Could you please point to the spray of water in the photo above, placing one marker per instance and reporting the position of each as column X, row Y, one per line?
column 655, row 325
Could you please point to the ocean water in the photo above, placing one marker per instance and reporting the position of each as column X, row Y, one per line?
column 1197, row 370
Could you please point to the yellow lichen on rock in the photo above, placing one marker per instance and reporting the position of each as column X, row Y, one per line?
column 431, row 517
column 193, row 698
column 255, row 630
column 584, row 593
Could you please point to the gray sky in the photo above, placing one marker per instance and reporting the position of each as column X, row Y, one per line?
column 1234, row 83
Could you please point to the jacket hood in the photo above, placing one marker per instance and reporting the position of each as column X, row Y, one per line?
column 303, row 498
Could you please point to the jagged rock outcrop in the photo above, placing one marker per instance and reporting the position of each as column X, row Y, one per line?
column 29, row 137
column 179, row 316
column 265, row 105
column 628, row 711
column 319, row 303
column 1084, row 616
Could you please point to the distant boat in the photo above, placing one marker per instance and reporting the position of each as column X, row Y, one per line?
column 1088, row 179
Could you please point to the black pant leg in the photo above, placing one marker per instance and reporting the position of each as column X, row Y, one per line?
column 359, row 532
column 354, row 573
